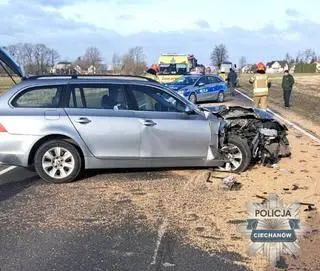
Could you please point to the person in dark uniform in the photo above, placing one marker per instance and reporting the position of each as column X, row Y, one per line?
column 232, row 81
column 287, row 84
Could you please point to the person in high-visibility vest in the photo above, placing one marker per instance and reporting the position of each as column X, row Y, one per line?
column 222, row 74
column 261, row 84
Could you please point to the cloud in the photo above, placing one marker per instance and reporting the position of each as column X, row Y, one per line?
column 51, row 3
column 292, row 12
column 202, row 24
column 70, row 38
column 126, row 17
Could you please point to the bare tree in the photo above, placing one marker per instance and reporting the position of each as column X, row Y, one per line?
column 219, row 55
column 137, row 54
column 54, row 56
column 92, row 57
column 242, row 62
column 309, row 56
column 42, row 57
column 134, row 61
column 34, row 58
column 116, row 62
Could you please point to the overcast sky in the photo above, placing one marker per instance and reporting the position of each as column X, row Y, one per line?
column 261, row 31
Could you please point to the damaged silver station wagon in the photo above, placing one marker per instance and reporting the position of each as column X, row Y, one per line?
column 61, row 125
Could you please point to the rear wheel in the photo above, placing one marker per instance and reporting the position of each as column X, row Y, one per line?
column 220, row 98
column 58, row 161
column 237, row 154
column 193, row 98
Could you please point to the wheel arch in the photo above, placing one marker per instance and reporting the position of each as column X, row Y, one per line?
column 47, row 138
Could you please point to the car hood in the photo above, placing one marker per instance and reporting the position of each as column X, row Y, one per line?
column 11, row 63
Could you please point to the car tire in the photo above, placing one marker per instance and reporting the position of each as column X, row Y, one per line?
column 220, row 98
column 238, row 146
column 193, row 98
column 53, row 167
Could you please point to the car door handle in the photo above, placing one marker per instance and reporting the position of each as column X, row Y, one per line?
column 83, row 120
column 148, row 123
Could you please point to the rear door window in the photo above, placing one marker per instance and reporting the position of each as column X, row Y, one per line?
column 39, row 97
column 98, row 96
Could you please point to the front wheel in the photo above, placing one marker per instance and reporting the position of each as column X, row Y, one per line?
column 57, row 161
column 237, row 153
column 220, row 98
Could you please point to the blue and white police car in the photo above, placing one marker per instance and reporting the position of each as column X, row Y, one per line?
column 199, row 88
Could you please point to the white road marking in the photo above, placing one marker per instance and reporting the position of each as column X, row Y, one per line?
column 161, row 232
column 7, row 170
column 285, row 120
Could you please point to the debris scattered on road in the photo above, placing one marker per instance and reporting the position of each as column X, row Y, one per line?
column 311, row 206
column 295, row 187
column 231, row 183
column 208, row 177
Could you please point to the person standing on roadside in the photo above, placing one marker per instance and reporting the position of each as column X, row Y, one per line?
column 261, row 84
column 232, row 81
column 287, row 84
column 152, row 72
column 222, row 74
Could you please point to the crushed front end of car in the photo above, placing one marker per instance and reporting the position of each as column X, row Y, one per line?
column 266, row 137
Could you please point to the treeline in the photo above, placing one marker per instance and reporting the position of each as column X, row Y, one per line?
column 308, row 56
column 39, row 59
column 34, row 58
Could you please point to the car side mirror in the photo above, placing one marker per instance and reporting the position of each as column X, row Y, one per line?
column 117, row 107
column 188, row 110
column 201, row 84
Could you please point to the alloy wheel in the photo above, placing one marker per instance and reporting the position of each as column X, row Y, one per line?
column 58, row 163
column 233, row 156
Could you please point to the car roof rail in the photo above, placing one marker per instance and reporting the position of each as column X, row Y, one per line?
column 91, row 76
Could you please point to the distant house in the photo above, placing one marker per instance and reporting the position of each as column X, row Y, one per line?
column 317, row 63
column 78, row 69
column 277, row 66
column 62, row 67
column 98, row 69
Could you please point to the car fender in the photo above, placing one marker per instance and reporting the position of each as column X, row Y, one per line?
column 54, row 131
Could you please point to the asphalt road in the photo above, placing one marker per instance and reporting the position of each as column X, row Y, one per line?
column 124, row 246
column 127, row 246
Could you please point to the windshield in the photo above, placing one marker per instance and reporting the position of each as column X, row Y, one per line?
column 179, row 69
column 186, row 80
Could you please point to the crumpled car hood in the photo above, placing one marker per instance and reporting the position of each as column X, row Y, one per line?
column 266, row 136
column 239, row 112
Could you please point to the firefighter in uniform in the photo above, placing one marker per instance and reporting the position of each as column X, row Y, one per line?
column 222, row 74
column 152, row 72
column 261, row 84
